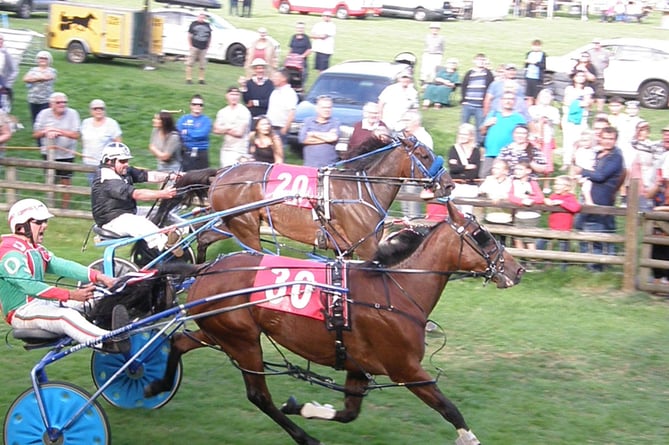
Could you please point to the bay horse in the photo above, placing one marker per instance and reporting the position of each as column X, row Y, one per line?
column 388, row 301
column 345, row 207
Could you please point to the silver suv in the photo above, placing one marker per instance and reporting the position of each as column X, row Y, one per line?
column 350, row 85
column 23, row 8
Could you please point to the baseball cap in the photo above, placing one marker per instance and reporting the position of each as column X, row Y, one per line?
column 258, row 62
column 97, row 103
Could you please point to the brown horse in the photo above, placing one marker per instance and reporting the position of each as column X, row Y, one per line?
column 344, row 211
column 387, row 306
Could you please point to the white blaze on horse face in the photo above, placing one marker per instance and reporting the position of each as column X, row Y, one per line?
column 314, row 410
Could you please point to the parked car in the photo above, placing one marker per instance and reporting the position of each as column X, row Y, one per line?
column 350, row 85
column 24, row 8
column 418, row 9
column 342, row 9
column 228, row 43
column 638, row 69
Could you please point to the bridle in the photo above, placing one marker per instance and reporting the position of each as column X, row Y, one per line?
column 479, row 239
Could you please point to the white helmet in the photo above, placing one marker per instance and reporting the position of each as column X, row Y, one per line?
column 115, row 150
column 25, row 210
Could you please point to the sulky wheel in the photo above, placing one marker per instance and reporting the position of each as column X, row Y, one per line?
column 24, row 425
column 127, row 390
column 121, row 267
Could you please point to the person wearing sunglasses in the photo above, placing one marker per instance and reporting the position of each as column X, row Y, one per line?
column 114, row 196
column 195, row 128
column 30, row 302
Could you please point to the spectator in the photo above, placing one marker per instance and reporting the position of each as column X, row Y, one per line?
column 199, row 38
column 498, row 88
column 521, row 150
column 319, row 135
column 544, row 118
column 265, row 145
column 575, row 107
column 627, row 122
column 234, row 7
column 585, row 65
column 498, row 130
column 563, row 197
column 194, row 129
column 525, row 191
column 474, row 87
column 497, row 187
column 433, row 52
column 585, row 156
column 96, row 132
column 39, row 82
column 256, row 90
column 233, row 122
column 8, row 72
column 301, row 44
column 535, row 65
column 323, row 34
column 464, row 160
column 370, row 126
column 645, row 165
column 246, row 8
column 165, row 142
column 600, row 61
column 396, row 100
column 439, row 91
column 5, row 135
column 606, row 178
column 28, row 302
column 114, row 196
column 281, row 105
column 263, row 49
column 413, row 126
column 57, row 128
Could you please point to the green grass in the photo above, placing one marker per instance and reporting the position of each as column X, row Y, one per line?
column 562, row 358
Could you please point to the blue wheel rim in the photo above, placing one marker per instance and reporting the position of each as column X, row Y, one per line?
column 24, row 426
column 127, row 390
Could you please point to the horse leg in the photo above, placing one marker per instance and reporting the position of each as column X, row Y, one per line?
column 204, row 240
column 356, row 385
column 181, row 344
column 435, row 399
column 249, row 358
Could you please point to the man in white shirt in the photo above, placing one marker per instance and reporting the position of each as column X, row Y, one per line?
column 233, row 123
column 396, row 99
column 282, row 105
column 323, row 43
column 412, row 124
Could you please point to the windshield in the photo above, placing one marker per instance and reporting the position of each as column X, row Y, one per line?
column 219, row 22
column 348, row 90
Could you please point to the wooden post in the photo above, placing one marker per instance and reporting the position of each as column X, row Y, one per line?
column 10, row 176
column 631, row 237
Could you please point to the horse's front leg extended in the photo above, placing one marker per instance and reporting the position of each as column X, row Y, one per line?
column 435, row 399
column 356, row 384
column 180, row 344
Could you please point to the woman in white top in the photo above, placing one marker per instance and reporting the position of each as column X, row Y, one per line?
column 96, row 132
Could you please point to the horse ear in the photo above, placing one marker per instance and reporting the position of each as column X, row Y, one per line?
column 454, row 213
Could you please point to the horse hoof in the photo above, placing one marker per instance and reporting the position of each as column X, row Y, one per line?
column 291, row 406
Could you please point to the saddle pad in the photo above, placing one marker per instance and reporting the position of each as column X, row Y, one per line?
column 299, row 299
column 286, row 179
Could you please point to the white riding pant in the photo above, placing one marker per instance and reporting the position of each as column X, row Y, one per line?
column 136, row 226
column 60, row 318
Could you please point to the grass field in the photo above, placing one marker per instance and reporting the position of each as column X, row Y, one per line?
column 563, row 358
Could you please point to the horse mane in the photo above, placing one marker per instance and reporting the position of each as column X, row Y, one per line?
column 192, row 185
column 143, row 297
column 369, row 145
column 399, row 246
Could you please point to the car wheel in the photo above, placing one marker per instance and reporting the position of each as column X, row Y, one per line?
column 76, row 53
column 342, row 13
column 236, row 54
column 284, row 8
column 24, row 10
column 420, row 15
column 654, row 95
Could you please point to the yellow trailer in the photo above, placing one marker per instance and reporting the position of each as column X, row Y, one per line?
column 103, row 31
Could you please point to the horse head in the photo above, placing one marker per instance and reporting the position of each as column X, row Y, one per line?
column 422, row 163
column 487, row 255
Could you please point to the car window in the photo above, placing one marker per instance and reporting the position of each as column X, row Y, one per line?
column 634, row 54
column 348, row 90
column 171, row 18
